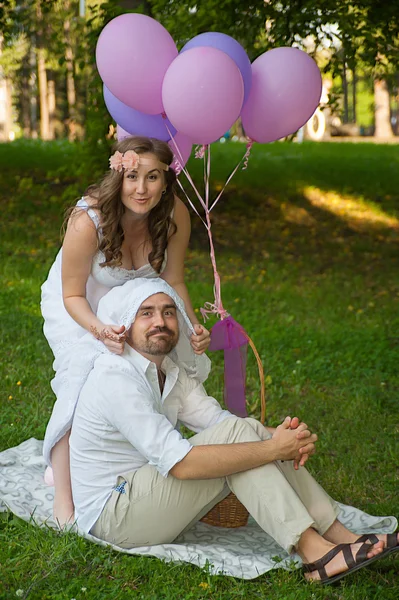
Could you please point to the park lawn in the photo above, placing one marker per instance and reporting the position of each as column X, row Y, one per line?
column 307, row 242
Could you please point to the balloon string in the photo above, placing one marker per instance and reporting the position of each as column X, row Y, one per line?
column 245, row 158
column 182, row 168
column 204, row 152
column 250, row 143
column 189, row 200
column 199, row 151
column 217, row 286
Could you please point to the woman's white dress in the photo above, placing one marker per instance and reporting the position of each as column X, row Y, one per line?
column 61, row 331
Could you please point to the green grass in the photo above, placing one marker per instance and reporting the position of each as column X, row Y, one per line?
column 307, row 244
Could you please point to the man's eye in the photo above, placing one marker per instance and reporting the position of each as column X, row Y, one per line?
column 169, row 313
column 146, row 313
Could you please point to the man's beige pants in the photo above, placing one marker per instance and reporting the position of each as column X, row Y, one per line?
column 154, row 510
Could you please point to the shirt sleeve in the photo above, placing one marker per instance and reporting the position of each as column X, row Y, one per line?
column 200, row 411
column 127, row 406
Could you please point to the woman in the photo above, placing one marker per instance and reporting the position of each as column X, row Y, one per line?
column 130, row 225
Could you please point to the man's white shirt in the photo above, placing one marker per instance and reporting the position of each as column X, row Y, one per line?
column 122, row 422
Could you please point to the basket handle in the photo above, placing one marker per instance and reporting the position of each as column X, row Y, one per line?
column 261, row 377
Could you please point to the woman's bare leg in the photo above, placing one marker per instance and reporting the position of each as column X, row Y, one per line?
column 312, row 547
column 63, row 509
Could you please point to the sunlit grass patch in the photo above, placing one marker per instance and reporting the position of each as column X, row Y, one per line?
column 357, row 212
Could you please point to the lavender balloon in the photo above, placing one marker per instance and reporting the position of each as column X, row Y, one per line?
column 136, row 122
column 202, row 93
column 133, row 54
column 286, row 90
column 121, row 134
column 229, row 46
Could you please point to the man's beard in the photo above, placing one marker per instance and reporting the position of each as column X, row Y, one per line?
column 157, row 346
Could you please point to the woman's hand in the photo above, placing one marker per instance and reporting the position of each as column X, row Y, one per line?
column 201, row 339
column 113, row 337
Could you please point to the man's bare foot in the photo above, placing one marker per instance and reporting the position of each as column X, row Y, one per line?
column 339, row 534
column 338, row 564
column 63, row 513
column 383, row 538
column 323, row 559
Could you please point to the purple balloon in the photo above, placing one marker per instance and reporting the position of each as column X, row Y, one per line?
column 203, row 93
column 121, row 134
column 231, row 47
column 133, row 54
column 286, row 90
column 136, row 122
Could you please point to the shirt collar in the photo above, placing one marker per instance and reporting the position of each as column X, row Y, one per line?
column 136, row 359
column 144, row 364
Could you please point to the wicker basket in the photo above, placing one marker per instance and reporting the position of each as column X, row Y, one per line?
column 229, row 512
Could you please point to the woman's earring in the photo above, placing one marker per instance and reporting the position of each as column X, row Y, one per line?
column 164, row 192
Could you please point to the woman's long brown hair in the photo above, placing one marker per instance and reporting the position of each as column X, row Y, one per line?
column 107, row 197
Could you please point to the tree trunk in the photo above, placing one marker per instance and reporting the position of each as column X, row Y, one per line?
column 382, row 110
column 345, row 91
column 42, row 76
column 70, row 80
column 354, row 98
column 25, row 97
column 44, row 109
column 3, row 95
column 51, row 106
column 9, row 133
column 33, row 88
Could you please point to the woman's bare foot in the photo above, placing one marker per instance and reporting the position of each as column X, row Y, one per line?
column 338, row 564
column 63, row 513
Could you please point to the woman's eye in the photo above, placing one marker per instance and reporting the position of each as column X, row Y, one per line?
column 152, row 177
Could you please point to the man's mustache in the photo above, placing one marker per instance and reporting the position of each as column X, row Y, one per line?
column 165, row 330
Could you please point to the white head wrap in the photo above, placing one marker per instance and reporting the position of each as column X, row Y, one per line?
column 119, row 307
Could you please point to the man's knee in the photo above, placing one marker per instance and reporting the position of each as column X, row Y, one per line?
column 259, row 429
column 236, row 429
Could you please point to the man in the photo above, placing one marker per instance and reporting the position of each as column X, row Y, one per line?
column 136, row 481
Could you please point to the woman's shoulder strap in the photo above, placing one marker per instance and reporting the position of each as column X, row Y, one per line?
column 82, row 203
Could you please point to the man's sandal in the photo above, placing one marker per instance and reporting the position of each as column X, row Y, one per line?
column 353, row 562
column 392, row 543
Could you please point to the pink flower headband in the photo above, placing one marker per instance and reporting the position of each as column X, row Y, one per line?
column 131, row 160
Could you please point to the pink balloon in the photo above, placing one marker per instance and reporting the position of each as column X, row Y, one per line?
column 133, row 54
column 285, row 92
column 203, row 92
column 181, row 147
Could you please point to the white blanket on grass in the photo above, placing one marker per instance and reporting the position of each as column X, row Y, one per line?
column 246, row 552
